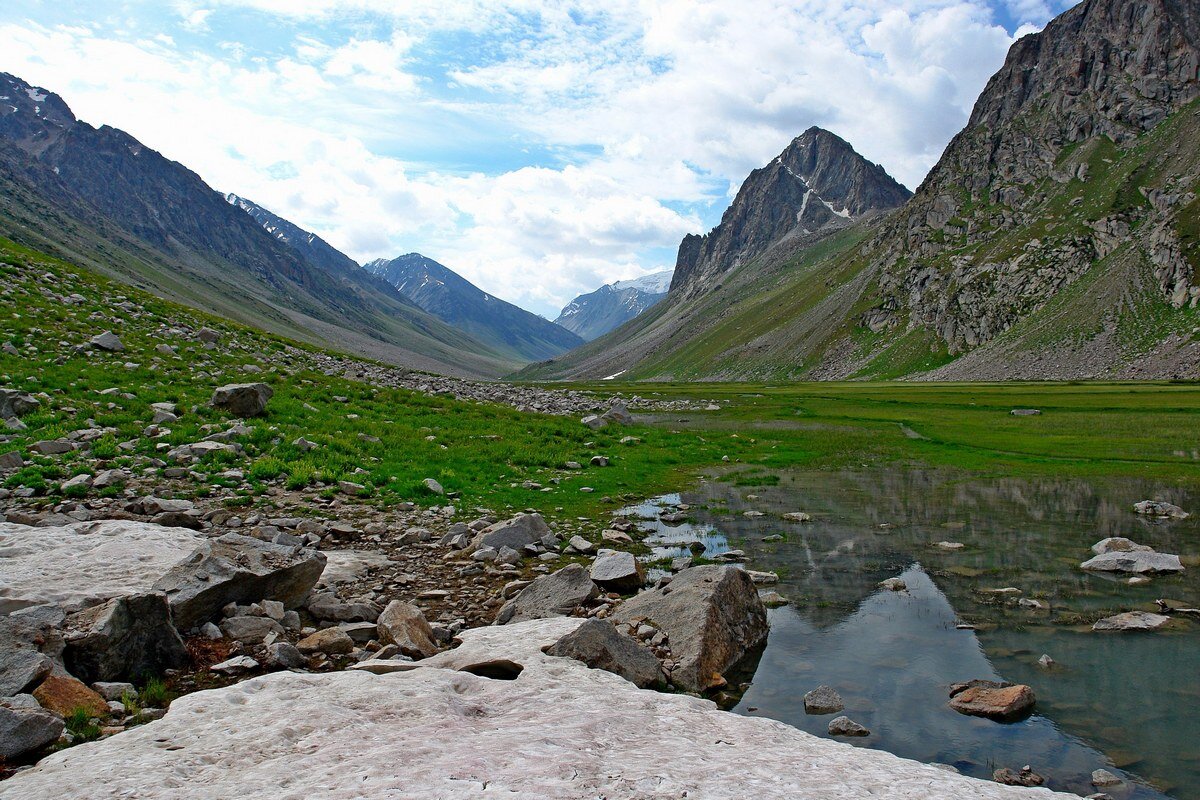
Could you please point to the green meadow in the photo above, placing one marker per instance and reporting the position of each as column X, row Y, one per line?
column 390, row 440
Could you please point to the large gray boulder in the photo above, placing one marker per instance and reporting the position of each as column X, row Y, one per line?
column 601, row 646
column 712, row 616
column 521, row 530
column 21, row 669
column 1132, row 621
column 238, row 569
column 14, row 403
column 1138, row 561
column 617, row 571
column 553, row 595
column 242, row 399
column 403, row 625
column 107, row 341
column 23, row 730
column 123, row 639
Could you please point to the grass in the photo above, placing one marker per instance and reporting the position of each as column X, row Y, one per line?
column 79, row 724
column 390, row 440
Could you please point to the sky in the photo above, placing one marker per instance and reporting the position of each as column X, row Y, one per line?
column 539, row 148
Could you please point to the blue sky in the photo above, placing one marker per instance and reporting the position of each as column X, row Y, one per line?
column 538, row 148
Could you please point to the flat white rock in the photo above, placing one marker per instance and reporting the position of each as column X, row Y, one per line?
column 558, row 730
column 79, row 565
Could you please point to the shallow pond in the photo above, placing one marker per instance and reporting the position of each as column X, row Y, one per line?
column 1126, row 702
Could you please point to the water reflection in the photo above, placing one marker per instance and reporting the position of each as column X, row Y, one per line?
column 1117, row 701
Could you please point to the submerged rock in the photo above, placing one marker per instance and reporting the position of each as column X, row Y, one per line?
column 1004, row 702
column 712, row 616
column 823, row 700
column 1132, row 621
column 844, row 726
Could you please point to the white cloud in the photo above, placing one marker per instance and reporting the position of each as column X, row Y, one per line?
column 635, row 107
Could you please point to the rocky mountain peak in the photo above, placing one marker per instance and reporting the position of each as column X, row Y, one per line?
column 817, row 183
column 31, row 117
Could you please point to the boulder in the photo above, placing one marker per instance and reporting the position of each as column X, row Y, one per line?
column 107, row 341
column 208, row 336
column 433, row 486
column 601, row 646
column 403, row 625
column 1138, row 561
column 1119, row 544
column 553, row 595
column 15, row 403
column 1160, row 508
column 844, row 726
column 62, row 694
column 823, row 700
column 125, row 638
column 284, row 655
column 250, row 630
column 618, row 572
column 618, row 413
column 79, row 565
column 113, row 691
column 24, row 730
column 1132, row 621
column 327, row 607
column 594, row 422
column 11, row 460
column 556, row 730
column 21, row 669
column 516, row 533
column 242, row 399
column 712, row 616
column 1004, row 702
column 238, row 569
column 331, row 641
column 235, row 666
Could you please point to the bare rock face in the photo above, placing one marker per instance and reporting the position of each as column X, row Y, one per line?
column 125, row 638
column 1114, row 69
column 818, row 181
column 601, row 646
column 242, row 399
column 1004, row 702
column 545, row 728
column 712, row 616
column 238, row 569
column 403, row 625
column 553, row 595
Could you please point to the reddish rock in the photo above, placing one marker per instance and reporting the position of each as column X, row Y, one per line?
column 999, row 701
column 63, row 694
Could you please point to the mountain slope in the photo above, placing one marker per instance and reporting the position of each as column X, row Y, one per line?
column 818, row 189
column 100, row 197
column 596, row 313
column 1057, row 237
column 451, row 298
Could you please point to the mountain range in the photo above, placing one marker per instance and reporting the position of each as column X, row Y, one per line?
column 1058, row 237
column 445, row 294
column 99, row 197
column 612, row 305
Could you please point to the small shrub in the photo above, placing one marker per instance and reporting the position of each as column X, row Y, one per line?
column 79, row 724
column 154, row 694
